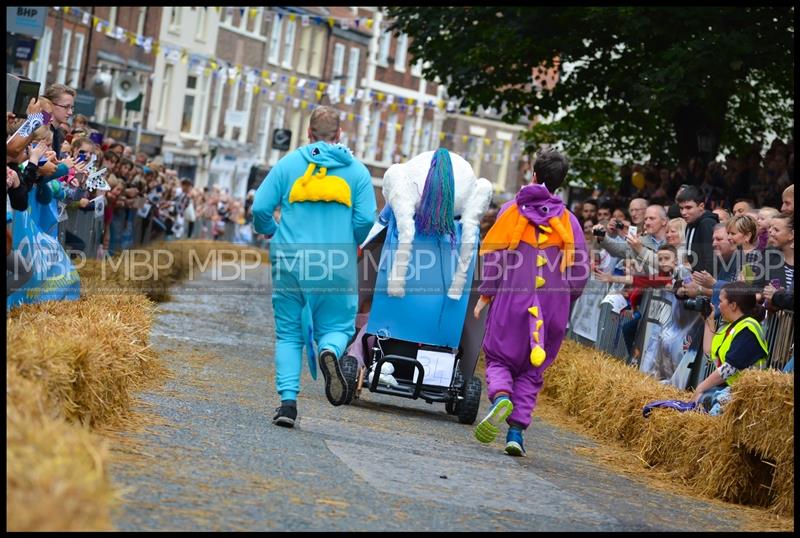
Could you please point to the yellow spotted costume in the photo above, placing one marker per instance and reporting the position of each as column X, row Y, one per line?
column 327, row 207
column 535, row 264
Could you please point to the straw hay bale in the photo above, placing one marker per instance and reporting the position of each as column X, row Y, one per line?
column 695, row 449
column 744, row 456
column 783, row 489
column 70, row 366
column 761, row 413
column 585, row 381
column 761, row 418
column 679, row 441
column 82, row 361
column 153, row 269
column 55, row 477
column 89, row 355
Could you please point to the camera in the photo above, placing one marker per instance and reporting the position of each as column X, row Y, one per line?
column 19, row 91
column 599, row 233
column 618, row 225
column 698, row 304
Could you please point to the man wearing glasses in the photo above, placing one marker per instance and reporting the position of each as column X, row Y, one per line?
column 63, row 99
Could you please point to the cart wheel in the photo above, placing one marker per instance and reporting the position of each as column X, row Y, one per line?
column 349, row 366
column 452, row 406
column 468, row 408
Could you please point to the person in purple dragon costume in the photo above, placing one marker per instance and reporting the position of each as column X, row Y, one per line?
column 535, row 265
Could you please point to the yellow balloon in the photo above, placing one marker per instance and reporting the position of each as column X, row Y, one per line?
column 638, row 180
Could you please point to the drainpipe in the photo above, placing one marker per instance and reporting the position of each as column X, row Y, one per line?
column 89, row 53
column 372, row 56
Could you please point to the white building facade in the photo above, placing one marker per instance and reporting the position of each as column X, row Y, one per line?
column 181, row 84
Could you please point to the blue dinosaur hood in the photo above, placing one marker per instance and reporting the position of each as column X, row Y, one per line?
column 327, row 155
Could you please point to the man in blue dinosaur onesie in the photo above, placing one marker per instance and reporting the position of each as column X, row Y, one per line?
column 327, row 208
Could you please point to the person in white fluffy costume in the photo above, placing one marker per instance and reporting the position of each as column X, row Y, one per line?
column 417, row 192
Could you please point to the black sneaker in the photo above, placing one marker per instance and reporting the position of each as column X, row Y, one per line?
column 285, row 415
column 335, row 385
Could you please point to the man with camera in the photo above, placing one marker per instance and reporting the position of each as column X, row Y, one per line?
column 642, row 248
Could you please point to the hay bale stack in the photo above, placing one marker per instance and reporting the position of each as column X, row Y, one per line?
column 696, row 450
column 761, row 418
column 88, row 355
column 744, row 456
column 55, row 477
column 70, row 366
column 73, row 366
column 586, row 381
column 668, row 433
column 152, row 270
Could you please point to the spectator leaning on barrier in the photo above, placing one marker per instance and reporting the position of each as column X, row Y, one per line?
column 620, row 214
column 80, row 122
column 63, row 99
column 765, row 214
column 663, row 350
column 676, row 236
column 604, row 211
column 655, row 227
column 33, row 167
column 636, row 209
column 699, row 228
column 589, row 210
column 643, row 247
column 738, row 344
column 743, row 206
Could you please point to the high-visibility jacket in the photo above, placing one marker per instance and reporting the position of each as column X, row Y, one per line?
column 722, row 341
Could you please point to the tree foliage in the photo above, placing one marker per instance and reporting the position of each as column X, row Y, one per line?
column 640, row 81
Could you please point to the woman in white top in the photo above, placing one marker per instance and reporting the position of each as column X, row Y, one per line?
column 676, row 236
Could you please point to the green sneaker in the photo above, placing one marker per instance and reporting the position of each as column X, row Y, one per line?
column 487, row 429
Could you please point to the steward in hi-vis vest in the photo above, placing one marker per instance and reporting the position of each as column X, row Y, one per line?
column 722, row 341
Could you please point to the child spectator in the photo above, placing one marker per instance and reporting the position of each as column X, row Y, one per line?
column 764, row 216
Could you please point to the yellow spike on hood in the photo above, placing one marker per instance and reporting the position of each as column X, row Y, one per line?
column 320, row 187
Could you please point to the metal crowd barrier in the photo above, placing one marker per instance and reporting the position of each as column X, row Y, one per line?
column 654, row 307
column 230, row 229
column 610, row 337
column 87, row 227
column 139, row 226
column 779, row 333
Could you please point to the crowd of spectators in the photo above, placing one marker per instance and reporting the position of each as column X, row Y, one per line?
column 142, row 199
column 730, row 221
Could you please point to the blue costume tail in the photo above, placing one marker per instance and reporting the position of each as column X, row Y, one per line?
column 435, row 214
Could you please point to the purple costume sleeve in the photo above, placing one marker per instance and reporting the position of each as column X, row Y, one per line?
column 578, row 274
